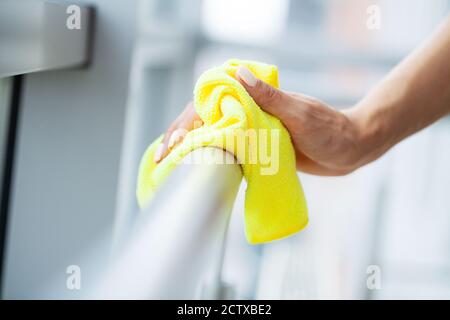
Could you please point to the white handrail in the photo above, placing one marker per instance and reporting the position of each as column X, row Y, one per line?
column 176, row 248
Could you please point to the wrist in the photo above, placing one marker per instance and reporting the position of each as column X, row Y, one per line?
column 369, row 135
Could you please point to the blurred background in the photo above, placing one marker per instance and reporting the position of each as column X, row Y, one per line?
column 82, row 132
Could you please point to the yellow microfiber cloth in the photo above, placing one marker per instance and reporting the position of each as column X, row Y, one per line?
column 275, row 206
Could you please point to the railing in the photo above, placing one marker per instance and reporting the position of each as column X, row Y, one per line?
column 175, row 249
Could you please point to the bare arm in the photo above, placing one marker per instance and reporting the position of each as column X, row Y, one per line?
column 413, row 95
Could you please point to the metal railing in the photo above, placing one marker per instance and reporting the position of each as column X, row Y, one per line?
column 36, row 35
column 176, row 247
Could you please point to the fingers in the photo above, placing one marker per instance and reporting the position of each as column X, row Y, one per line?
column 267, row 97
column 186, row 121
column 270, row 99
column 163, row 148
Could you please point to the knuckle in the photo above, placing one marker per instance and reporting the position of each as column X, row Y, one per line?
column 267, row 94
column 271, row 95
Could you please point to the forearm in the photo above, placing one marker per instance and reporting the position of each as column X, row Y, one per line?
column 415, row 94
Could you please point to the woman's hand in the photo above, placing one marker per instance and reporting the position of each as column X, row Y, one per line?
column 413, row 95
column 186, row 121
column 326, row 141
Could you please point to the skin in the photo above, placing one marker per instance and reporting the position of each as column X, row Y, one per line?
column 412, row 96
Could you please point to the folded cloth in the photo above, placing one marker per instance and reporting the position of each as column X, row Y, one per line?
column 275, row 206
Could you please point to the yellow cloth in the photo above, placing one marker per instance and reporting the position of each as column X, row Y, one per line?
column 275, row 206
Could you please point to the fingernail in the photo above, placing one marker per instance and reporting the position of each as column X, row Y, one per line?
column 247, row 76
column 158, row 153
column 175, row 136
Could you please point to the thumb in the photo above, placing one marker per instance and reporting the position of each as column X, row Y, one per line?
column 270, row 99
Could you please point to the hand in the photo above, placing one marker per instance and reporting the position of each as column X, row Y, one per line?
column 326, row 141
column 186, row 121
